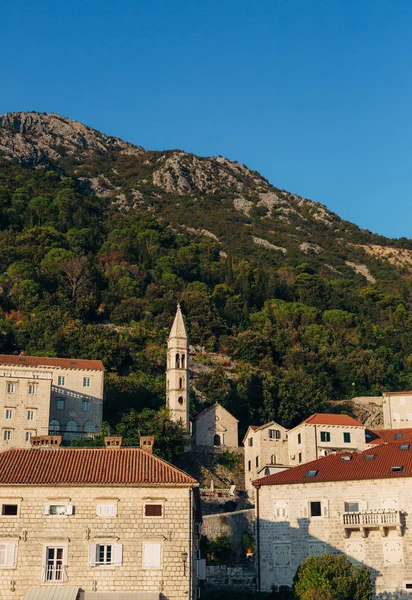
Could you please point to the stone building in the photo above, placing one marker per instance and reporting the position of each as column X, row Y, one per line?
column 264, row 445
column 397, row 410
column 322, row 434
column 358, row 504
column 118, row 523
column 216, row 427
column 39, row 394
column 177, row 372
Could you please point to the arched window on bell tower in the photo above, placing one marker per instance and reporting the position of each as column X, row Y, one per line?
column 183, row 361
column 177, row 361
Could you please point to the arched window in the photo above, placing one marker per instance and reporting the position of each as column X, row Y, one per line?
column 177, row 361
column 71, row 426
column 180, row 400
column 183, row 361
column 216, row 440
column 273, row 459
column 54, row 426
column 180, row 383
column 90, row 427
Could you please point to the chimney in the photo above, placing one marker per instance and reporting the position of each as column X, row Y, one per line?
column 46, row 441
column 147, row 443
column 113, row 442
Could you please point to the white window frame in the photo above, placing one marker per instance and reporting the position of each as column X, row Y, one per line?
column 32, row 389
column 86, row 382
column 31, row 415
column 280, row 510
column 68, row 509
column 10, row 502
column 11, row 388
column 106, row 509
column 116, row 557
column 61, row 379
column 51, row 546
column 6, row 435
column 9, row 548
column 9, row 413
column 29, row 434
column 146, row 564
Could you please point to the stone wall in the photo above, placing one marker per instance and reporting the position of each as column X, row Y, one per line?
column 232, row 577
column 231, row 524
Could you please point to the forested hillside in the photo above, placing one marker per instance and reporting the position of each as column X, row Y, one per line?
column 287, row 305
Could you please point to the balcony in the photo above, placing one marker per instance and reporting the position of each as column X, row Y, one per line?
column 372, row 519
column 55, row 573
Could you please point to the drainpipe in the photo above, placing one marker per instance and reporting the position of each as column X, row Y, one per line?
column 257, row 537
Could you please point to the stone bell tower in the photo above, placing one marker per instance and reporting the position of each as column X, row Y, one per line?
column 177, row 372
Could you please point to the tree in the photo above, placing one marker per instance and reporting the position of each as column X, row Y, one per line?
column 331, row 577
column 78, row 275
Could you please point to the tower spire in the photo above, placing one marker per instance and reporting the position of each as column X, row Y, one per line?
column 177, row 372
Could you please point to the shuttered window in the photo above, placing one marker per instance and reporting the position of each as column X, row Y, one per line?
column 8, row 554
column 106, row 510
column 152, row 555
column 105, row 554
column 153, row 510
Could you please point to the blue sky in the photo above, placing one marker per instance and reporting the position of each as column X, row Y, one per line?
column 314, row 94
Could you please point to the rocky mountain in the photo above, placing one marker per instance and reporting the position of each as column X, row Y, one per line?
column 213, row 197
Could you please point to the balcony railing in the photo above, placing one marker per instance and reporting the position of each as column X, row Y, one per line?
column 54, row 574
column 369, row 519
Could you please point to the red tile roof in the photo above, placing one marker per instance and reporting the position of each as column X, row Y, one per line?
column 332, row 419
column 42, row 361
column 88, row 466
column 334, row 468
column 386, row 436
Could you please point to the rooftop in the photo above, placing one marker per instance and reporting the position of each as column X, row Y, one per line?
column 332, row 419
column 42, row 361
column 373, row 463
column 386, row 436
column 88, row 466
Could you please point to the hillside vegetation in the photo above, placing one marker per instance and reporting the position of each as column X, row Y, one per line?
column 99, row 239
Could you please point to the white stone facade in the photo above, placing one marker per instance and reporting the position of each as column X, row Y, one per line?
column 102, row 541
column 397, row 410
column 216, row 427
column 264, row 445
column 36, row 399
column 288, row 533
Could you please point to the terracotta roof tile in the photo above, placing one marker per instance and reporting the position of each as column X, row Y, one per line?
column 42, row 361
column 83, row 466
column 332, row 419
column 386, row 436
column 336, row 468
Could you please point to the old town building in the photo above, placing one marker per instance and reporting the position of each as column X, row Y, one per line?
column 397, row 410
column 38, row 395
column 118, row 521
column 358, row 504
column 216, row 427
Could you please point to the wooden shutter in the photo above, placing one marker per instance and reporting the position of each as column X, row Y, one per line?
column 46, row 509
column 152, row 555
column 69, row 509
column 117, row 556
column 92, row 554
column 325, row 508
column 106, row 510
column 153, row 510
column 8, row 554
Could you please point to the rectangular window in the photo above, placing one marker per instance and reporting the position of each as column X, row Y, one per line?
column 106, row 510
column 249, row 465
column 86, row 381
column 315, row 509
column 9, row 414
column 152, row 555
column 85, row 405
column 60, row 404
column 299, row 438
column 10, row 388
column 105, row 554
column 32, row 389
column 300, row 457
column 54, row 564
column 8, row 555
column 274, row 434
column 30, row 415
column 325, row 436
column 250, row 442
column 60, row 380
column 58, row 510
column 257, row 461
column 28, row 435
column 351, row 506
column 153, row 510
column 9, row 510
column 346, row 437
column 281, row 509
column 7, row 435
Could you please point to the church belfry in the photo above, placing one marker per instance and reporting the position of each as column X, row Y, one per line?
column 177, row 371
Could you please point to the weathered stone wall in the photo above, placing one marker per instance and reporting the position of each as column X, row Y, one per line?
column 216, row 421
column 33, row 531
column 288, row 532
column 231, row 524
column 232, row 577
column 397, row 410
